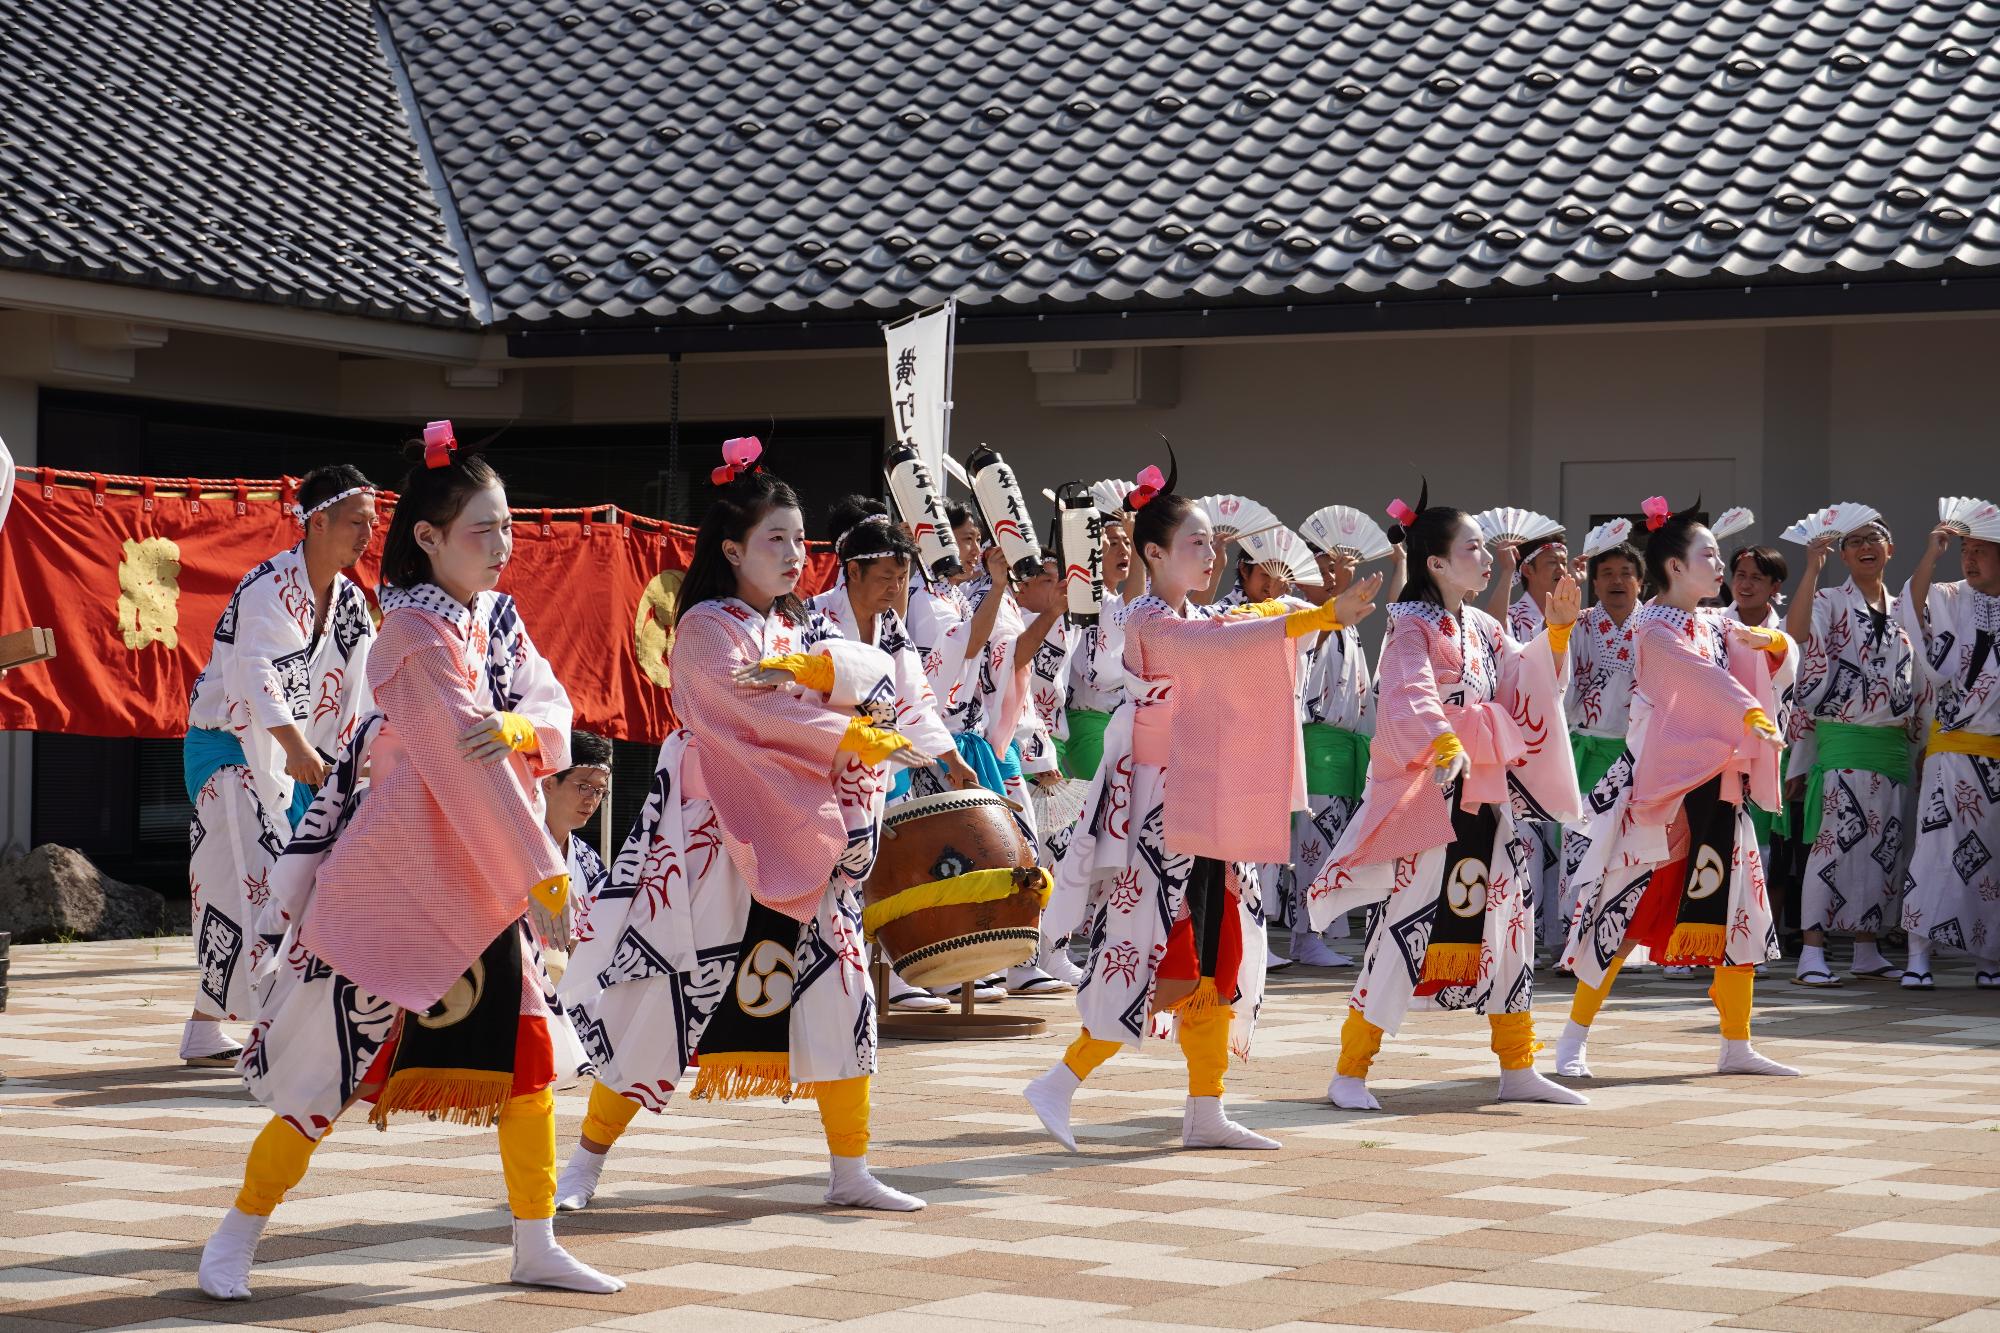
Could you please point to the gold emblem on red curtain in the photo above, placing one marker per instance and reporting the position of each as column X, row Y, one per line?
column 653, row 627
column 149, row 593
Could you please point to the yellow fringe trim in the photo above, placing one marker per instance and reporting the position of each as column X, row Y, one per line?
column 552, row 893
column 455, row 1096
column 1697, row 944
column 1203, row 999
column 733, row 1076
column 981, row 886
column 1453, row 964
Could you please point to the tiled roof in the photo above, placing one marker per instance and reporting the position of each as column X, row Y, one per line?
column 244, row 148
column 696, row 162
column 705, row 161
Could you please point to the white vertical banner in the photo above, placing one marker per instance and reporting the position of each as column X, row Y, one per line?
column 920, row 354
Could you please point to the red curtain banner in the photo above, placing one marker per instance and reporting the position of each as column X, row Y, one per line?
column 132, row 573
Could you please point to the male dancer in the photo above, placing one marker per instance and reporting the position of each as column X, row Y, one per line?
column 285, row 683
column 1857, row 692
column 1953, row 888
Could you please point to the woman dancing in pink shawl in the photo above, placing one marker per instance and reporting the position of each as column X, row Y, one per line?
column 410, row 975
column 1470, row 743
column 1167, row 869
column 1667, row 853
column 731, row 929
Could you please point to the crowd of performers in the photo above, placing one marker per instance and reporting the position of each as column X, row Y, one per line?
column 390, row 889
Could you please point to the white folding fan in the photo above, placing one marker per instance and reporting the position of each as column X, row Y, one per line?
column 1605, row 536
column 1502, row 527
column 1968, row 517
column 1110, row 494
column 1732, row 522
column 1835, row 520
column 1234, row 516
column 1345, row 530
column 1283, row 553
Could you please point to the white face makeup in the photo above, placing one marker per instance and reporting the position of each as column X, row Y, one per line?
column 468, row 554
column 1189, row 560
column 1469, row 565
column 1702, row 570
column 770, row 558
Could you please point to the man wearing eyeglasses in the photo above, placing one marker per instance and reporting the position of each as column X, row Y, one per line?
column 1857, row 729
column 572, row 797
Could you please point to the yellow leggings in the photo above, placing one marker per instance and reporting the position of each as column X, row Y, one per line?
column 527, row 1128
column 1729, row 992
column 1513, row 1040
column 1204, row 1039
column 843, row 1114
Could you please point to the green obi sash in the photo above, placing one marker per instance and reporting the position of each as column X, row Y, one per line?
column 1081, row 754
column 1884, row 750
column 1336, row 761
column 1594, row 757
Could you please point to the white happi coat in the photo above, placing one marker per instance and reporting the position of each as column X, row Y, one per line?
column 659, row 944
column 1849, row 673
column 267, row 669
column 1953, row 894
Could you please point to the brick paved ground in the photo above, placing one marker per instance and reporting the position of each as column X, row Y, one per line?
column 1866, row 1196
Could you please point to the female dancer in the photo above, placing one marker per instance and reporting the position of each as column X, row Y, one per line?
column 1177, row 919
column 732, row 924
column 1667, row 856
column 1469, row 739
column 410, row 974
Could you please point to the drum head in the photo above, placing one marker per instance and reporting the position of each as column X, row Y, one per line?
column 922, row 807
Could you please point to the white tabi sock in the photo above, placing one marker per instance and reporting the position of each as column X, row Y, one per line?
column 1572, row 1060
column 1920, row 954
column 1812, row 958
column 1050, row 1096
column 1203, row 1125
column 1868, row 957
column 852, row 1185
column 1527, row 1085
column 577, row 1185
column 1351, row 1094
column 540, row 1262
column 225, row 1261
column 1738, row 1057
column 204, row 1039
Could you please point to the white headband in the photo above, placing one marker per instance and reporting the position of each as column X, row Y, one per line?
column 303, row 514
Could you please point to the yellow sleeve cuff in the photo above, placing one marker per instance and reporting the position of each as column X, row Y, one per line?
column 1319, row 620
column 812, row 670
column 1446, row 748
column 1759, row 721
column 1777, row 645
column 1559, row 637
column 518, row 733
column 552, row 894
column 872, row 744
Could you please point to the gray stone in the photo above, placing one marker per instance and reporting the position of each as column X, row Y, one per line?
column 55, row 893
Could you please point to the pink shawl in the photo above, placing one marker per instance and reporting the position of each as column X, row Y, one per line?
column 1520, row 728
column 442, row 853
column 767, row 757
column 1694, row 729
column 1235, row 760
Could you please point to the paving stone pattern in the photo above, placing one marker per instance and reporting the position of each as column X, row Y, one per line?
column 1865, row 1196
